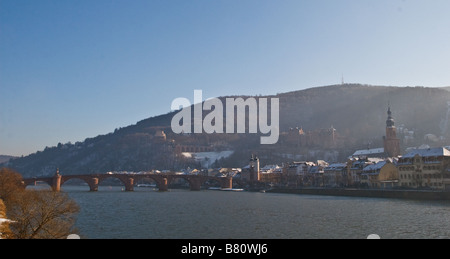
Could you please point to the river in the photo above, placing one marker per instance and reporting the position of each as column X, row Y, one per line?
column 111, row 213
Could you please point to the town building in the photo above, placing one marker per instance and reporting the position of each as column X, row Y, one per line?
column 383, row 174
column 296, row 172
column 272, row 176
column 193, row 148
column 370, row 152
column 334, row 174
column 160, row 136
column 320, row 138
column 425, row 168
column 315, row 177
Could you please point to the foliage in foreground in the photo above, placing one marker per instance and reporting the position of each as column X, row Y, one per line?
column 36, row 214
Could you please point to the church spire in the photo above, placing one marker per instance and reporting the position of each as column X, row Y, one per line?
column 390, row 120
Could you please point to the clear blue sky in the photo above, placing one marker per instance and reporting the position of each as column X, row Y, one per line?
column 76, row 69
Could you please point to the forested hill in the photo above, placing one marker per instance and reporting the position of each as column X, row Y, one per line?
column 4, row 158
column 357, row 112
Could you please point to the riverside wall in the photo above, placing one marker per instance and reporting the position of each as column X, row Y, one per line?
column 398, row 194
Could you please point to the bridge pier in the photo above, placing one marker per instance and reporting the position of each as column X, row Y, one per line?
column 227, row 183
column 195, row 184
column 56, row 182
column 163, row 185
column 129, row 185
column 93, row 184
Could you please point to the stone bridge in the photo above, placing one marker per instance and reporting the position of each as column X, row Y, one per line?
column 129, row 180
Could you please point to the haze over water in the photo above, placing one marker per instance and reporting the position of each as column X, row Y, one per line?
column 144, row 213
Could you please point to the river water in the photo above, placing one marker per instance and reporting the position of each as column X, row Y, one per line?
column 182, row 214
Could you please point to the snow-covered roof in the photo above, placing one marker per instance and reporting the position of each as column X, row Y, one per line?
column 270, row 167
column 429, row 152
column 315, row 170
column 375, row 159
column 303, row 163
column 335, row 166
column 374, row 167
column 367, row 152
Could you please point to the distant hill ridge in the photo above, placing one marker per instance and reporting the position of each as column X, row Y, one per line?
column 356, row 111
column 5, row 158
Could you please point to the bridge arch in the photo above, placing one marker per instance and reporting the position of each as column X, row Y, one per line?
column 180, row 180
column 78, row 181
column 161, row 181
column 197, row 181
column 212, row 182
column 126, row 180
column 39, row 184
column 145, row 180
column 110, row 177
column 239, row 183
column 224, row 182
column 90, row 180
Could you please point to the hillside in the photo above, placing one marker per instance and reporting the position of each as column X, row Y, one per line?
column 357, row 112
column 362, row 109
column 4, row 158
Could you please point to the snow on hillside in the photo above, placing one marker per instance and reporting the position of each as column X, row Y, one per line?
column 208, row 158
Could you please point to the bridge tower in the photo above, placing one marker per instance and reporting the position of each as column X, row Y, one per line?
column 56, row 182
column 254, row 169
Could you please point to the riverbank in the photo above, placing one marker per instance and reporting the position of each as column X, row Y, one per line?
column 398, row 194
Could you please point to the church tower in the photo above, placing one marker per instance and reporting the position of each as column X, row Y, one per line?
column 391, row 142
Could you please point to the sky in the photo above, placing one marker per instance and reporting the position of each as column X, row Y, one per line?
column 71, row 70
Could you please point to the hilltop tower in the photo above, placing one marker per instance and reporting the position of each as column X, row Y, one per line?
column 391, row 142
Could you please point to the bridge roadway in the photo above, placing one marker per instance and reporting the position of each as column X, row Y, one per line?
column 162, row 180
